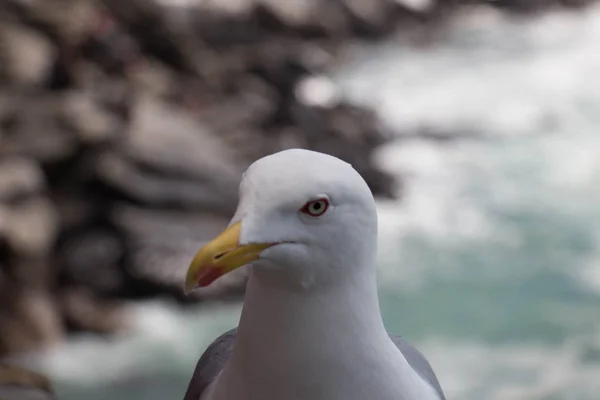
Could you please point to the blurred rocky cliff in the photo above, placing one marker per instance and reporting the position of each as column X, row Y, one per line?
column 125, row 126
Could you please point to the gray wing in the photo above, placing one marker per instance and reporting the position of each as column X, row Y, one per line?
column 210, row 365
column 419, row 363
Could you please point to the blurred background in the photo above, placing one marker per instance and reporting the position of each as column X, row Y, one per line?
column 125, row 126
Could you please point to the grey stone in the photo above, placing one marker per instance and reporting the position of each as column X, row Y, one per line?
column 30, row 226
column 18, row 383
column 164, row 242
column 29, row 320
column 88, row 119
column 85, row 311
column 169, row 139
column 34, row 129
column 162, row 190
column 26, row 56
column 91, row 258
column 19, row 177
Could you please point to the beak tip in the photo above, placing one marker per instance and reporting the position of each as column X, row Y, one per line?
column 188, row 291
column 189, row 287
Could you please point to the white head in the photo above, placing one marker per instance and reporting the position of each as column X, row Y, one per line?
column 304, row 218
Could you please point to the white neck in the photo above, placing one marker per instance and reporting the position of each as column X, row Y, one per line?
column 277, row 316
column 326, row 344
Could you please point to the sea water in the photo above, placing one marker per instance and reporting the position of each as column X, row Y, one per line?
column 490, row 264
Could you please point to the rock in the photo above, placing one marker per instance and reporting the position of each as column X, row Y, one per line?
column 531, row 6
column 162, row 242
column 420, row 6
column 69, row 20
column 92, row 258
column 29, row 320
column 12, row 392
column 19, row 177
column 218, row 24
column 157, row 35
column 315, row 16
column 88, row 119
column 255, row 103
column 28, row 273
column 225, row 7
column 156, row 80
column 168, row 158
column 111, row 47
column 162, row 190
column 170, row 140
column 32, row 129
column 30, row 227
column 73, row 210
column 6, row 109
column 370, row 17
column 114, row 94
column 26, row 56
column 18, row 383
column 84, row 311
column 293, row 13
column 166, row 226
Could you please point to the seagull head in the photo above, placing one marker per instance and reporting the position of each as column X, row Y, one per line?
column 304, row 219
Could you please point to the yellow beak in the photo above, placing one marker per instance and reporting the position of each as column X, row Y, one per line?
column 221, row 256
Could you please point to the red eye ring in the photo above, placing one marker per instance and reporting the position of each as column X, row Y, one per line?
column 316, row 208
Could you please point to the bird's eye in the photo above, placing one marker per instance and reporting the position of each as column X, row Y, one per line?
column 315, row 208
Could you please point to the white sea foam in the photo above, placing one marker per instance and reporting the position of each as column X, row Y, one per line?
column 469, row 370
column 508, row 76
column 163, row 338
column 532, row 89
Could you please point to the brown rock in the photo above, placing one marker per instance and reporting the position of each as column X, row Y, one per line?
column 255, row 103
column 171, row 140
column 19, row 177
column 69, row 20
column 73, row 210
column 33, row 129
column 26, row 56
column 151, row 23
column 156, row 80
column 84, row 311
column 163, row 190
column 30, row 226
column 294, row 13
column 88, row 119
column 29, row 273
column 420, row 6
column 163, row 242
column 168, row 158
column 18, row 383
column 29, row 320
column 370, row 16
column 91, row 257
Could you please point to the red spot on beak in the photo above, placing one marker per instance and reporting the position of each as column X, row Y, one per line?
column 209, row 275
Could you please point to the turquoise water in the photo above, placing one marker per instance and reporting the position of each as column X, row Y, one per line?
column 490, row 264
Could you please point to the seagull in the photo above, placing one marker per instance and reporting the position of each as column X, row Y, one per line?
column 311, row 325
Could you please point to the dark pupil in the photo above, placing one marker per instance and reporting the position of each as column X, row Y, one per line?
column 316, row 206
